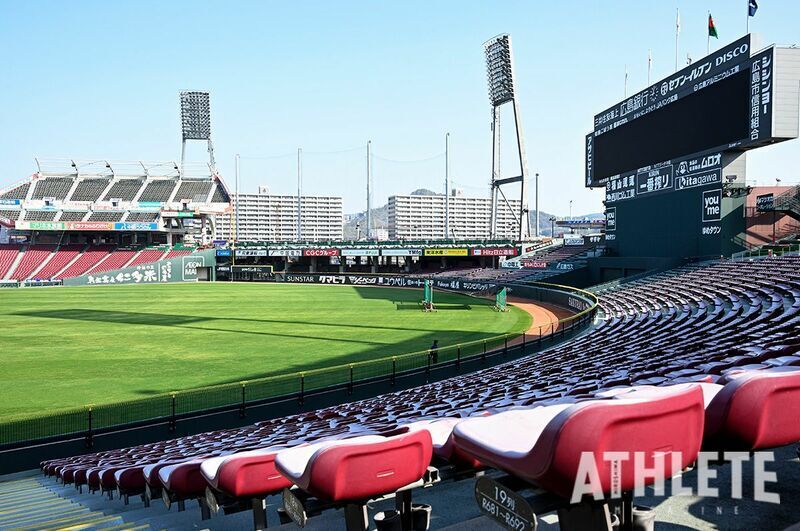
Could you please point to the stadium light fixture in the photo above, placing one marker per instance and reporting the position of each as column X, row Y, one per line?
column 196, row 121
column 498, row 69
column 500, row 81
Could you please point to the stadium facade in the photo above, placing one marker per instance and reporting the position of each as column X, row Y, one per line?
column 421, row 217
column 266, row 217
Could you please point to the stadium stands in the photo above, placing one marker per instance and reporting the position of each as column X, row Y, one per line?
column 55, row 187
column 115, row 260
column 178, row 252
column 146, row 217
column 40, row 215
column 196, row 191
column 61, row 257
column 89, row 190
column 71, row 260
column 72, row 216
column 86, row 261
column 698, row 323
column 157, row 191
column 146, row 256
column 220, row 196
column 124, row 190
column 105, row 216
column 8, row 254
column 18, row 192
column 9, row 214
column 31, row 260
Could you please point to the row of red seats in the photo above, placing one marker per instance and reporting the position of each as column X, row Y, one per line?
column 542, row 445
column 78, row 259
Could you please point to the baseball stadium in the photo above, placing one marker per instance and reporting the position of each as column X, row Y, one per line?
column 233, row 338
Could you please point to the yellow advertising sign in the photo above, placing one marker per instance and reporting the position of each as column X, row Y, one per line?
column 445, row 252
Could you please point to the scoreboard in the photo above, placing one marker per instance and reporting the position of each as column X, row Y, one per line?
column 672, row 157
column 723, row 101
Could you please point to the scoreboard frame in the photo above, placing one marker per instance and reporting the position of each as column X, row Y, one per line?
column 693, row 79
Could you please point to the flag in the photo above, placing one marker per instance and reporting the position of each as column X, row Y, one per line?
column 752, row 7
column 712, row 29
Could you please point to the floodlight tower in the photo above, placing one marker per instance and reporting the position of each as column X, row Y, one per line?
column 500, row 77
column 196, row 122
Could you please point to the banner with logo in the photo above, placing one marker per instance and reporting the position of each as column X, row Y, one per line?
column 361, row 252
column 494, row 251
column 285, row 252
column 321, row 252
column 250, row 252
column 86, row 226
column 178, row 269
column 455, row 284
column 401, row 252
column 446, row 252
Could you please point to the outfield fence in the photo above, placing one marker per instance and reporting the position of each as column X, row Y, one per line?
column 237, row 397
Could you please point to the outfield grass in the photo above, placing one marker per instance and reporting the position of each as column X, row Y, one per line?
column 67, row 347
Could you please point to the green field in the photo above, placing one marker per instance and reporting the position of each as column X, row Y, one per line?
column 68, row 347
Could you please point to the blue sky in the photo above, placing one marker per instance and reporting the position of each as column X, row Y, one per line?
column 101, row 79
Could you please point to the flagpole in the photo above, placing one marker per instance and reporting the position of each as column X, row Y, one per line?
column 677, row 34
column 747, row 13
column 626, row 82
column 649, row 64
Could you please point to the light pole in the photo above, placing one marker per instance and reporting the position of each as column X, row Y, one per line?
column 552, row 226
column 570, row 209
column 536, row 229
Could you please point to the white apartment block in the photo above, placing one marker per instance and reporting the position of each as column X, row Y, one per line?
column 265, row 217
column 421, row 217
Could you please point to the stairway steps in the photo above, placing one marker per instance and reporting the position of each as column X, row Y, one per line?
column 36, row 521
column 79, row 521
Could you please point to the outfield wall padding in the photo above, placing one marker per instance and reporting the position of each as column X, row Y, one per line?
column 178, row 269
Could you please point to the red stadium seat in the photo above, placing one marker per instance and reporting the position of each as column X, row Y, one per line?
column 183, row 480
column 755, row 410
column 543, row 445
column 245, row 474
column 359, row 468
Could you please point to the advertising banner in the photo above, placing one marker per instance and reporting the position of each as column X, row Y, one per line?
column 383, row 280
column 361, row 252
column 250, row 252
column 533, row 264
column 765, row 203
column 86, row 225
column 285, row 252
column 320, row 252
column 446, row 252
column 137, row 226
column 401, row 252
column 495, row 251
column 179, row 269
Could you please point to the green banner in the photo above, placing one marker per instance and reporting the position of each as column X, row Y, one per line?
column 178, row 269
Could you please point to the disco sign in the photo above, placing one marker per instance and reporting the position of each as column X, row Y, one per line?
column 721, row 102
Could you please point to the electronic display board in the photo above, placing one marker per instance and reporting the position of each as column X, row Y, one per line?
column 724, row 101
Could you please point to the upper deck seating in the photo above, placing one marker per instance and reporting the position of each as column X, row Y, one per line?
column 123, row 189
column 55, row 187
column 89, row 190
column 18, row 192
column 158, row 191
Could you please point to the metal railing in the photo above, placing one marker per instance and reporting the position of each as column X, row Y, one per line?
column 237, row 397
